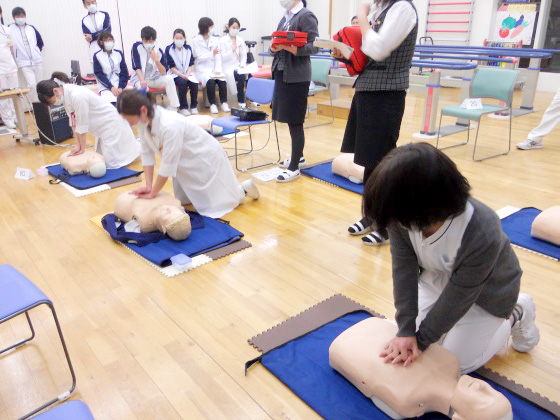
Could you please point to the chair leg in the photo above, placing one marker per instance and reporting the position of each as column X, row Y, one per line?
column 21, row 343
column 453, row 145
column 497, row 154
column 332, row 113
column 252, row 148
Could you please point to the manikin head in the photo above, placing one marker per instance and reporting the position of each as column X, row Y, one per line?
column 474, row 399
column 173, row 222
column 90, row 5
column 96, row 165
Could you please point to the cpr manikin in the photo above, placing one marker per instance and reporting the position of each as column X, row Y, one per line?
column 344, row 166
column 431, row 383
column 162, row 213
column 546, row 226
column 205, row 122
column 88, row 162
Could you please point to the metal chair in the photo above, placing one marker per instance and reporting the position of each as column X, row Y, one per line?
column 320, row 69
column 72, row 410
column 487, row 83
column 18, row 295
column 260, row 91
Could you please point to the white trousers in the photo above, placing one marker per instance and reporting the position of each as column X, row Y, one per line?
column 168, row 83
column 181, row 195
column 32, row 75
column 7, row 111
column 475, row 338
column 108, row 96
column 549, row 120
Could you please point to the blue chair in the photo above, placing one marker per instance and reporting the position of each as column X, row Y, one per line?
column 260, row 91
column 487, row 83
column 18, row 295
column 71, row 410
column 320, row 69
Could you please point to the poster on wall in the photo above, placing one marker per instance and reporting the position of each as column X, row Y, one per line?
column 515, row 22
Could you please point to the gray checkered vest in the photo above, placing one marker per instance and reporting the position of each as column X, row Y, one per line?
column 393, row 72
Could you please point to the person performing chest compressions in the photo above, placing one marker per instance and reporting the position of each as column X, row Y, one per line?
column 110, row 68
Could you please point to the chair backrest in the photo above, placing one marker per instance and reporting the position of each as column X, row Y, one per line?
column 320, row 68
column 260, row 91
column 494, row 83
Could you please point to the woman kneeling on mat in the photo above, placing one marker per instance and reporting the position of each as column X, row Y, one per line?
column 456, row 278
column 201, row 172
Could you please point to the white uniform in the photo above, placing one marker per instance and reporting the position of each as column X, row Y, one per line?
column 111, row 71
column 89, row 113
column 206, row 62
column 201, row 172
column 232, row 61
column 8, row 74
column 550, row 118
column 28, row 45
column 93, row 24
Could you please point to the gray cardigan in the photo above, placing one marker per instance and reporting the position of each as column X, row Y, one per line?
column 297, row 68
column 486, row 272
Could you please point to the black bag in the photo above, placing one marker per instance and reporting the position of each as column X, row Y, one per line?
column 248, row 114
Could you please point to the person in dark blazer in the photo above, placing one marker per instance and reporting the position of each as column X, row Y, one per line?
column 291, row 70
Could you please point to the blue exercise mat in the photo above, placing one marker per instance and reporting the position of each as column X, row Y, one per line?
column 213, row 235
column 518, row 229
column 85, row 181
column 324, row 173
column 303, row 366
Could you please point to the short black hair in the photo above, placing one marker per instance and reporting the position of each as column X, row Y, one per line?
column 18, row 11
column 103, row 36
column 354, row 17
column 231, row 22
column 148, row 33
column 204, row 25
column 1, row 20
column 415, row 185
column 179, row 31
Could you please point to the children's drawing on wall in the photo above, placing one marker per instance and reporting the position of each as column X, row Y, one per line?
column 516, row 22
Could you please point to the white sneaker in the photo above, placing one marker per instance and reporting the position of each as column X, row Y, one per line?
column 285, row 163
column 184, row 112
column 225, row 107
column 213, row 109
column 243, row 106
column 529, row 144
column 525, row 334
column 194, row 111
column 250, row 189
column 288, row 176
column 10, row 124
column 172, row 108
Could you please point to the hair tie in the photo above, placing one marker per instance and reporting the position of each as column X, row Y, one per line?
column 59, row 82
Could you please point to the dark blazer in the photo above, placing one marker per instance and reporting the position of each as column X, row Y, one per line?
column 297, row 68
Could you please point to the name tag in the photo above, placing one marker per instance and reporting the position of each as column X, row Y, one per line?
column 470, row 103
column 24, row 173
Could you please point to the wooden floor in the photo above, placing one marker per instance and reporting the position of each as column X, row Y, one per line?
column 148, row 347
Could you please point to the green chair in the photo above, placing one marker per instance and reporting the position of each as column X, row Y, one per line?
column 320, row 68
column 487, row 83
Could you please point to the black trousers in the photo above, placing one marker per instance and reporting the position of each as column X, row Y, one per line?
column 240, row 81
column 211, row 91
column 182, row 87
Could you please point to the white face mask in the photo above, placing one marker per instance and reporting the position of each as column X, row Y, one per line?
column 59, row 101
column 287, row 4
column 179, row 43
column 234, row 32
column 92, row 8
column 211, row 31
column 108, row 46
column 20, row 21
column 149, row 47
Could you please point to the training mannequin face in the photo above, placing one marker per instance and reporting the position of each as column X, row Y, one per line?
column 165, row 215
column 344, row 166
column 81, row 163
column 475, row 399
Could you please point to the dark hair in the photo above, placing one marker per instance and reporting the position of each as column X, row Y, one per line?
column 45, row 87
column 179, row 31
column 148, row 33
column 130, row 102
column 204, row 24
column 1, row 20
column 415, row 185
column 304, row 3
column 231, row 22
column 18, row 11
column 102, row 37
column 354, row 17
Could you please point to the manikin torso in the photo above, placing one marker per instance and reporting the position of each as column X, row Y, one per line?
column 431, row 383
column 80, row 164
column 546, row 226
column 344, row 166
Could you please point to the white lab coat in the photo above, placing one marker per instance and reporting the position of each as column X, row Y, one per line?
column 206, row 62
column 232, row 61
column 195, row 160
column 89, row 113
column 7, row 63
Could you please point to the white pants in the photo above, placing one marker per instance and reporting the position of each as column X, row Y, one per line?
column 549, row 120
column 168, row 83
column 7, row 111
column 475, row 338
column 108, row 96
column 181, row 195
column 32, row 75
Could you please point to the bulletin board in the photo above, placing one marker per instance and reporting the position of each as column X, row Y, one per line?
column 516, row 22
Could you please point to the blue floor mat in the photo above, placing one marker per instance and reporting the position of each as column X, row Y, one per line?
column 303, row 366
column 518, row 229
column 85, row 181
column 323, row 172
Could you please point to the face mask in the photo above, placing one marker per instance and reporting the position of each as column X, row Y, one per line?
column 287, row 4
column 234, row 32
column 141, row 125
column 92, row 8
column 149, row 47
column 108, row 46
column 179, row 43
column 211, row 31
column 20, row 21
column 59, row 101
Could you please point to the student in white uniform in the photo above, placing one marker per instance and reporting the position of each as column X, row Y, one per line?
column 201, row 172
column 550, row 118
column 234, row 57
column 110, row 68
column 89, row 113
column 28, row 45
column 8, row 74
column 93, row 24
column 150, row 67
column 180, row 60
column 206, row 49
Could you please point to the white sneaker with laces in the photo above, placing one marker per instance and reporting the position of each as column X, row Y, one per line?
column 185, row 112
column 10, row 124
column 525, row 334
column 529, row 144
column 213, row 109
column 288, row 176
column 194, row 111
column 285, row 163
column 251, row 189
column 225, row 107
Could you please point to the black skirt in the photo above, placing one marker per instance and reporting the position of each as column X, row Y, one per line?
column 289, row 104
column 373, row 126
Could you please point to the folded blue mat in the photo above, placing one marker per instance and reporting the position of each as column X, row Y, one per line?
column 85, row 181
column 324, row 173
column 213, row 235
column 303, row 366
column 518, row 229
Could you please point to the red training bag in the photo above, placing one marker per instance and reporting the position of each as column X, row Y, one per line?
column 352, row 36
column 289, row 38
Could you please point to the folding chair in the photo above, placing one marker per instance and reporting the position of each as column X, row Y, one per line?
column 487, row 83
column 320, row 68
column 18, row 295
column 72, row 410
column 260, row 91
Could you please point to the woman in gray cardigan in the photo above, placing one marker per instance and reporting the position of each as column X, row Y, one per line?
column 291, row 70
column 456, row 278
